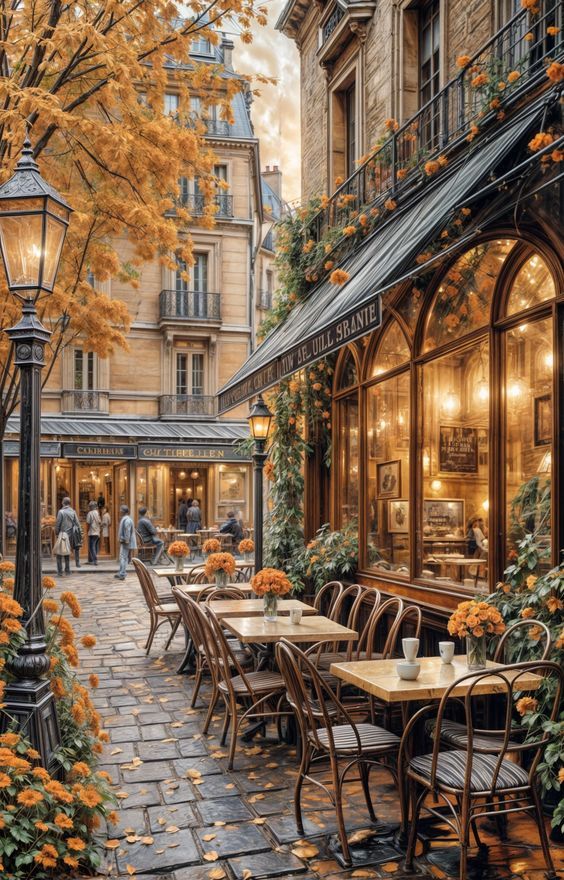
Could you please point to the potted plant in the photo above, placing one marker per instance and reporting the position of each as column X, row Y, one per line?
column 247, row 548
column 220, row 567
column 475, row 620
column 270, row 584
column 179, row 550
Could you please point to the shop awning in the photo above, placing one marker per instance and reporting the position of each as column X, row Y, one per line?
column 331, row 316
column 138, row 429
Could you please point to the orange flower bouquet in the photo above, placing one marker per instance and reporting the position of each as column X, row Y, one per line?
column 474, row 620
column 179, row 550
column 247, row 547
column 212, row 545
column 221, row 567
column 270, row 583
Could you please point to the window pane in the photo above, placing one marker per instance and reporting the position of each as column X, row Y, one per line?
column 534, row 284
column 220, row 172
column 463, row 300
column 393, row 350
column 455, row 499
column 349, row 375
column 348, row 459
column 171, row 104
column 181, row 374
column 197, row 374
column 529, row 416
column 90, row 371
column 388, row 475
column 78, row 369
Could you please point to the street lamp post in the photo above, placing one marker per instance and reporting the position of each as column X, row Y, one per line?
column 33, row 224
column 259, row 419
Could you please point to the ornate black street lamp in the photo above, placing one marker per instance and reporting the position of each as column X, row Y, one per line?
column 259, row 419
column 33, row 224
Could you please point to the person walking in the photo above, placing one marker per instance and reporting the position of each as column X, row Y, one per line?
column 194, row 516
column 106, row 523
column 94, row 523
column 182, row 515
column 148, row 534
column 67, row 522
column 126, row 539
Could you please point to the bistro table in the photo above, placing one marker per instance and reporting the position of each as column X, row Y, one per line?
column 175, row 576
column 224, row 608
column 380, row 679
column 257, row 630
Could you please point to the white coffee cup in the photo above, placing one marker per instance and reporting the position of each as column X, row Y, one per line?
column 446, row 650
column 295, row 615
column 410, row 649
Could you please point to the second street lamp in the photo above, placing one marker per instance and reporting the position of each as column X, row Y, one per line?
column 259, row 420
column 33, row 225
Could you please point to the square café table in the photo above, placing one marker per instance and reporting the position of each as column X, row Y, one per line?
column 316, row 628
column 225, row 608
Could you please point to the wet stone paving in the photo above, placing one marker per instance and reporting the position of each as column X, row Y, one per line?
column 184, row 816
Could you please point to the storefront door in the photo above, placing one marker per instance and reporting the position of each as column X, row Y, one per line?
column 189, row 484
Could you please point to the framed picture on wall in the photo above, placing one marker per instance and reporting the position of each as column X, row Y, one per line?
column 398, row 516
column 543, row 420
column 388, row 478
column 443, row 516
column 458, row 449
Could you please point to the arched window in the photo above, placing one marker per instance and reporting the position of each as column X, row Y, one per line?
column 463, row 300
column 533, row 284
column 393, row 350
column 348, row 373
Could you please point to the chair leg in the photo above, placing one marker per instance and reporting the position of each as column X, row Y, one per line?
column 364, row 770
column 337, row 786
column 151, row 636
column 197, row 682
column 542, row 834
column 415, row 804
column 213, row 703
column 465, row 823
column 302, row 772
column 234, row 731
column 226, row 722
column 174, row 627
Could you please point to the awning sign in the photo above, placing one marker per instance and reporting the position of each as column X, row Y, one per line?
column 98, row 450
column 333, row 337
column 48, row 449
column 156, row 452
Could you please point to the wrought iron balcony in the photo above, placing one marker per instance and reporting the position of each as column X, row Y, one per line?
column 332, row 22
column 190, row 305
column 187, row 405
column 85, row 402
column 522, row 46
column 196, row 203
column 217, row 127
column 265, row 299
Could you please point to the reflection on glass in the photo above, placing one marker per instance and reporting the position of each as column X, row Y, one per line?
column 388, row 476
column 463, row 300
column 529, row 368
column 393, row 350
column 349, row 374
column 455, row 499
column 348, row 459
column 533, row 284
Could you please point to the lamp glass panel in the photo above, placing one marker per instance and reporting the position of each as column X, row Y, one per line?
column 20, row 238
column 260, row 426
column 54, row 238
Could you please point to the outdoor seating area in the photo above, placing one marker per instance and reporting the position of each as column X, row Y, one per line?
column 326, row 680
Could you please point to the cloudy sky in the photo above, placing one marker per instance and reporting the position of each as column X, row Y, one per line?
column 276, row 113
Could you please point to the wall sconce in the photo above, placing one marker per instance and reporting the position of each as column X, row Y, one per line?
column 436, row 485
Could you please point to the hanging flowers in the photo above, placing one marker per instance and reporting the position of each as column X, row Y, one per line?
column 339, row 277
column 555, row 72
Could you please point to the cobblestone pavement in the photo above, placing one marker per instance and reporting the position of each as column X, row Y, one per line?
column 184, row 816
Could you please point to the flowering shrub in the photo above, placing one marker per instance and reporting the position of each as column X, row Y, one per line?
column 212, row 545
column 178, row 549
column 219, row 562
column 270, row 580
column 330, row 555
column 475, row 618
column 47, row 823
column 246, row 546
column 530, row 590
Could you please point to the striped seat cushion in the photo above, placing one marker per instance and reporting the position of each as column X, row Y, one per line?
column 260, row 682
column 454, row 734
column 372, row 738
column 451, row 771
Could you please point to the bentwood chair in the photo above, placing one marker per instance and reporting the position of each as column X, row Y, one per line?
column 481, row 780
column 212, row 594
column 328, row 732
column 345, row 611
column 326, row 598
column 159, row 612
column 259, row 693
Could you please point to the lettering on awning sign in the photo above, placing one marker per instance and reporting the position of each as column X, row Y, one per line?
column 333, row 337
column 48, row 449
column 99, row 450
column 191, row 453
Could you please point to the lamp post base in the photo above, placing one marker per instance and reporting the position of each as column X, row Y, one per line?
column 32, row 706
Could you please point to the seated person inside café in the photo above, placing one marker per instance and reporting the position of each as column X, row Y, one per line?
column 148, row 534
column 232, row 527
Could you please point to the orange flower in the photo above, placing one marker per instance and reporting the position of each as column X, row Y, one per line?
column 529, row 37
column 58, row 687
column 104, row 736
column 212, row 545
column 531, row 581
column 41, row 826
column 41, row 773
column 10, row 739
column 463, row 60
column 339, row 277
column 525, row 705
column 94, row 680
column 47, row 856
column 29, row 797
column 219, row 562
column 513, row 76
column 391, row 124
column 270, row 580
column 179, row 549
column 526, row 613
column 63, row 821
column 328, row 265
column 246, row 546
column 431, row 167
column 5, row 780
column 552, row 31
column 555, row 72
column 480, row 80
column 363, row 220
column 80, row 768
column 269, row 470
column 7, row 566
column 69, row 599
column 88, row 641
column 349, row 230
column 390, row 205
column 531, row 5
column 90, row 797
column 561, row 776
column 75, row 843
column 58, row 791
column 71, row 861
column 553, row 604
column 339, row 180
column 11, row 625
column 48, row 583
column 9, row 606
column 541, row 140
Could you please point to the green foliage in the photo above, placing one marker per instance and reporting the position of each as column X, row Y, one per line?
column 330, row 555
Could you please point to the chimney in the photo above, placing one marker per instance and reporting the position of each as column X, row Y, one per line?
column 227, row 47
column 273, row 177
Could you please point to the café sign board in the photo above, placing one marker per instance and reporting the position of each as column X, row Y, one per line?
column 99, row 450
column 48, row 449
column 158, row 452
column 368, row 317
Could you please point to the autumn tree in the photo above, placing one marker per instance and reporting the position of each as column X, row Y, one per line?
column 88, row 79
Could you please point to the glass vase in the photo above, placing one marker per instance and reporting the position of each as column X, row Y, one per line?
column 270, row 606
column 221, row 578
column 476, row 652
column 248, row 557
column 179, row 563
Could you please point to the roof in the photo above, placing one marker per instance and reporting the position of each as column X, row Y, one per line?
column 292, row 16
column 138, row 429
column 330, row 316
column 271, row 200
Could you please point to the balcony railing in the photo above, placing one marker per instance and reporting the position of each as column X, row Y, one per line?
column 522, row 45
column 218, row 127
column 196, row 203
column 85, row 402
column 332, row 22
column 187, row 405
column 265, row 299
column 190, row 304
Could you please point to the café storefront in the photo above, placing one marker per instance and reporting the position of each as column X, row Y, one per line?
column 154, row 474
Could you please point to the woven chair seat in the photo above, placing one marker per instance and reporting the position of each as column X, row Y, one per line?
column 451, row 771
column 372, row 738
column 259, row 682
column 167, row 608
column 455, row 734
